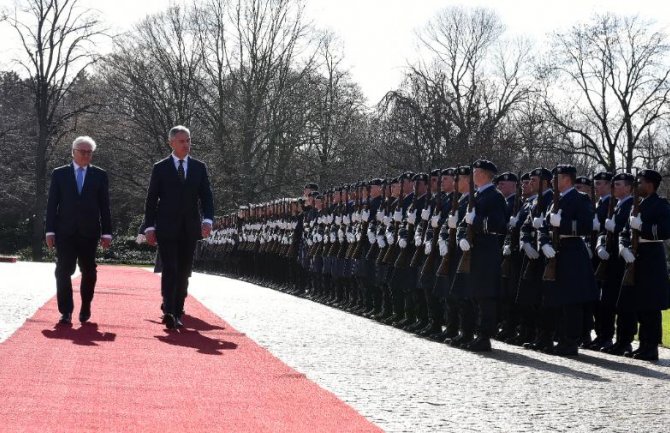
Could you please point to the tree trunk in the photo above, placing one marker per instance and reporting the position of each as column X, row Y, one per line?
column 40, row 196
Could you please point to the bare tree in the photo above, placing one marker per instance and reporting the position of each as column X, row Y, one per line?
column 607, row 86
column 58, row 40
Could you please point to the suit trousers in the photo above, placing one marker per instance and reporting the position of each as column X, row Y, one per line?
column 177, row 259
column 69, row 251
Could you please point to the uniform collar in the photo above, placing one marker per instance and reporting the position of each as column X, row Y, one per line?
column 567, row 191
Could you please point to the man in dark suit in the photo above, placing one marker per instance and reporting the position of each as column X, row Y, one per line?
column 77, row 214
column 178, row 190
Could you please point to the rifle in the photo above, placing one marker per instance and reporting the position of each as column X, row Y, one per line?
column 537, row 212
column 594, row 234
column 358, row 249
column 506, row 267
column 351, row 247
column 403, row 260
column 387, row 211
column 374, row 250
column 392, row 250
column 443, row 269
column 601, row 270
column 343, row 246
column 429, row 263
column 465, row 263
column 550, row 268
column 629, row 273
column 423, row 225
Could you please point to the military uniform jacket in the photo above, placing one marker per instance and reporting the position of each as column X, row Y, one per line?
column 615, row 264
column 652, row 288
column 575, row 281
column 489, row 227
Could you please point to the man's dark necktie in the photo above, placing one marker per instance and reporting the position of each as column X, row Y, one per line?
column 180, row 171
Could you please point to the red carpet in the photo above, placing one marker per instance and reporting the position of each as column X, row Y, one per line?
column 124, row 372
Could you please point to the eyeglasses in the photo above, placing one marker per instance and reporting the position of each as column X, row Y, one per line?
column 84, row 152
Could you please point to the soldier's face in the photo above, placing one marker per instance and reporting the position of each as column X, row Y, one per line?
column 433, row 183
column 463, row 183
column 447, row 183
column 603, row 187
column 526, row 188
column 621, row 189
column 506, row 187
column 395, row 189
column 375, row 191
column 534, row 184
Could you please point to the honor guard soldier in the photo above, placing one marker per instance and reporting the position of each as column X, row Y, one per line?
column 480, row 236
column 536, row 324
column 647, row 290
column 610, row 272
column 569, row 281
column 599, row 314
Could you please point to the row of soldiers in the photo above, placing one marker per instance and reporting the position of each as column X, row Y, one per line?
column 463, row 255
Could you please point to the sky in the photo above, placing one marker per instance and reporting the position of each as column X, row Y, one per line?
column 378, row 36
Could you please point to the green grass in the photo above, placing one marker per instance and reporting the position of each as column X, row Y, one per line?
column 666, row 328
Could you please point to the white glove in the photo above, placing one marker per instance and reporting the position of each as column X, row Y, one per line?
column 387, row 221
column 610, row 225
column 397, row 216
column 346, row 220
column 602, row 253
column 435, row 221
column 428, row 248
column 140, row 239
column 411, row 217
column 381, row 242
column 555, row 218
column 538, row 222
column 464, row 245
column 365, row 215
column 357, row 237
column 635, row 223
column 425, row 214
column 332, row 238
column 338, row 220
column 507, row 251
column 627, row 255
column 452, row 221
column 513, row 220
column 318, row 237
column 548, row 251
column 380, row 216
column 470, row 217
column 418, row 241
column 530, row 251
column 350, row 237
column 372, row 237
column 596, row 224
column 402, row 243
column 389, row 238
column 444, row 248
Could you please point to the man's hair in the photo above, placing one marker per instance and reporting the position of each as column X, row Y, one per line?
column 84, row 139
column 177, row 129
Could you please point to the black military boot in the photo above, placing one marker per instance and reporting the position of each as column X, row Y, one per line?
column 619, row 348
column 480, row 344
column 461, row 340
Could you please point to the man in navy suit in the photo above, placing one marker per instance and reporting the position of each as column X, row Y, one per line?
column 78, row 213
column 179, row 210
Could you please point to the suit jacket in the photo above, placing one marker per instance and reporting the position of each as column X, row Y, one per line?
column 69, row 213
column 174, row 208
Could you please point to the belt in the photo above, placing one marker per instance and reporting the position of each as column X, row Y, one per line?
column 569, row 236
column 646, row 241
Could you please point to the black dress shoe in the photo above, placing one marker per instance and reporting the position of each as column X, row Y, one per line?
column 480, row 344
column 461, row 340
column 65, row 319
column 649, row 354
column 178, row 323
column 85, row 313
column 618, row 349
column 170, row 321
column 566, row 350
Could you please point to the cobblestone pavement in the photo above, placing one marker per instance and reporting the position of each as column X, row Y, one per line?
column 24, row 287
column 404, row 383
column 407, row 384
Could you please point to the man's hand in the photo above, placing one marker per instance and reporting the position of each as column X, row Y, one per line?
column 105, row 243
column 151, row 237
column 206, row 229
column 51, row 241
